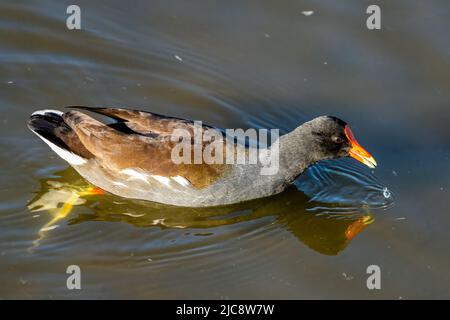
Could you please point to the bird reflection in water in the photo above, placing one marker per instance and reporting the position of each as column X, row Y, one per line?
column 320, row 230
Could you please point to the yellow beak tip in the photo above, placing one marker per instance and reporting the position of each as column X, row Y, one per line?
column 370, row 162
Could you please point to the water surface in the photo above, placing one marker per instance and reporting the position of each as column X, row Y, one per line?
column 232, row 64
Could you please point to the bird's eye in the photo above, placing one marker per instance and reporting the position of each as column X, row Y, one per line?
column 337, row 139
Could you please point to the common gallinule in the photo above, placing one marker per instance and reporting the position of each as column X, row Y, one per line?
column 133, row 156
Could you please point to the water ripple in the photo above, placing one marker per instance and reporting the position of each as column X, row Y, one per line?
column 343, row 186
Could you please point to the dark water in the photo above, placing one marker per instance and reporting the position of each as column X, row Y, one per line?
column 232, row 64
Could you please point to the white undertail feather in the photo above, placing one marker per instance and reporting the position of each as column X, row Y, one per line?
column 132, row 173
column 70, row 157
column 43, row 112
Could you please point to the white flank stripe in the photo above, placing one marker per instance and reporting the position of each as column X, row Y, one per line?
column 163, row 180
column 181, row 181
column 135, row 174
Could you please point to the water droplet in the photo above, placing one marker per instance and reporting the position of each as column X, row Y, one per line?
column 386, row 193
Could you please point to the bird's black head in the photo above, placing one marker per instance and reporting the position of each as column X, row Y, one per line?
column 334, row 139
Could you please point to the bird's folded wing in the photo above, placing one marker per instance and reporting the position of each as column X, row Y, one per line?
column 146, row 123
column 117, row 151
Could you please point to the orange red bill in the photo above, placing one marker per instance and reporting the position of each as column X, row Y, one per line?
column 357, row 152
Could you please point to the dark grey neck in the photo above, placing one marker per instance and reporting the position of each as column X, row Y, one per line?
column 297, row 152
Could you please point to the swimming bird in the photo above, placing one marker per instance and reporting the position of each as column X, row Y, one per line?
column 133, row 157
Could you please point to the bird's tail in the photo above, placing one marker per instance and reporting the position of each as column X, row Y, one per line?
column 49, row 125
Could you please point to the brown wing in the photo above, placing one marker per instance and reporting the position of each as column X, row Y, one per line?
column 118, row 150
column 144, row 122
